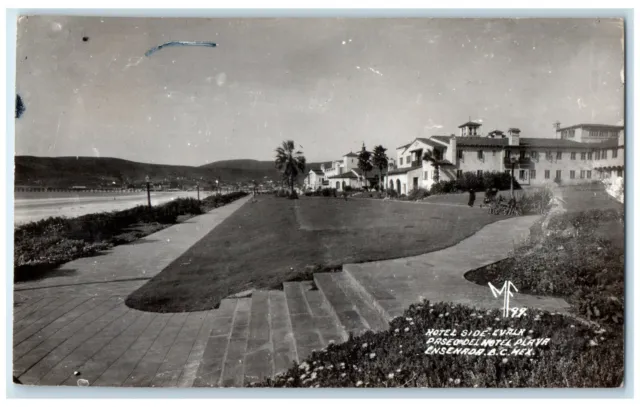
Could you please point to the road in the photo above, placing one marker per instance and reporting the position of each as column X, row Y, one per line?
column 41, row 207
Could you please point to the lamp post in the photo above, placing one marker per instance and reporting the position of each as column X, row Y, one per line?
column 198, row 190
column 218, row 186
column 148, row 191
column 513, row 165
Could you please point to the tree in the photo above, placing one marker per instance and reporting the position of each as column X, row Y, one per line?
column 364, row 162
column 290, row 162
column 434, row 158
column 380, row 161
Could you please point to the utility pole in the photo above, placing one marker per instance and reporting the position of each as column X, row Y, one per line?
column 148, row 192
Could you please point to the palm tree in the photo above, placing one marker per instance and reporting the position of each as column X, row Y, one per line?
column 381, row 162
column 434, row 158
column 364, row 163
column 290, row 162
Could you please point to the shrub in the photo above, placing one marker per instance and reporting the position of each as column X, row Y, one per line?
column 587, row 269
column 50, row 242
column 293, row 195
column 444, row 187
column 391, row 193
column 416, row 194
column 585, row 220
column 348, row 188
column 396, row 357
column 536, row 203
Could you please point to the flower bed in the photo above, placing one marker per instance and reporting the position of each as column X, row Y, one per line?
column 577, row 355
column 586, row 266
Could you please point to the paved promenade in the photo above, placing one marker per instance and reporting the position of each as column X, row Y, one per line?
column 75, row 326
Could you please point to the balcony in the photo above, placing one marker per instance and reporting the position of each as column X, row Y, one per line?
column 524, row 162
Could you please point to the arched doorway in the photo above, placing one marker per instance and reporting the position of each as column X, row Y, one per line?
column 337, row 184
column 390, row 185
column 343, row 184
column 398, row 186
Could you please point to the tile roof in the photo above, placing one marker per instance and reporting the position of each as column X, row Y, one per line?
column 552, row 143
column 351, row 154
column 476, row 141
column 349, row 174
column 429, row 142
column 404, row 170
column 442, row 139
column 601, row 126
column 470, row 124
column 611, row 143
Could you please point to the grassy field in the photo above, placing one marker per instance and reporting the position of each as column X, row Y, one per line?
column 276, row 239
column 585, row 197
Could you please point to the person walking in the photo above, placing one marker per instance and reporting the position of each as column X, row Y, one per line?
column 472, row 197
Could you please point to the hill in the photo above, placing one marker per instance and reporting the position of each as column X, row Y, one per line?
column 63, row 172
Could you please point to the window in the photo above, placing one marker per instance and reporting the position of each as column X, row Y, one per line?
column 522, row 154
column 588, row 174
column 532, row 174
column 459, row 174
column 573, row 155
column 582, row 172
column 590, row 155
column 522, row 175
column 572, row 174
column 460, row 154
column 619, row 172
column 597, row 155
column 494, row 152
column 583, row 156
column 400, row 160
column 559, row 155
column 548, row 155
column 426, row 175
column 604, row 154
column 547, row 174
column 534, row 155
column 479, row 173
column 408, row 160
column 558, row 174
column 507, row 154
column 614, row 153
column 480, row 155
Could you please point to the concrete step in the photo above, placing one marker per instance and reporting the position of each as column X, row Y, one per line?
column 306, row 335
column 258, row 360
column 343, row 307
column 284, row 347
column 380, row 297
column 366, row 308
column 326, row 322
column 209, row 373
column 233, row 370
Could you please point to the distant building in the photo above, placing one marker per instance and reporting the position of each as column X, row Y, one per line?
column 583, row 153
column 338, row 174
column 589, row 133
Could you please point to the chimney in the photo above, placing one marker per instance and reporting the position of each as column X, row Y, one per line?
column 514, row 136
column 451, row 151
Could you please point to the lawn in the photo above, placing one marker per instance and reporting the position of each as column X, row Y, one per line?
column 275, row 239
column 584, row 197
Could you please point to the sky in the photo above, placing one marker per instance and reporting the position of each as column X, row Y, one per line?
column 328, row 84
